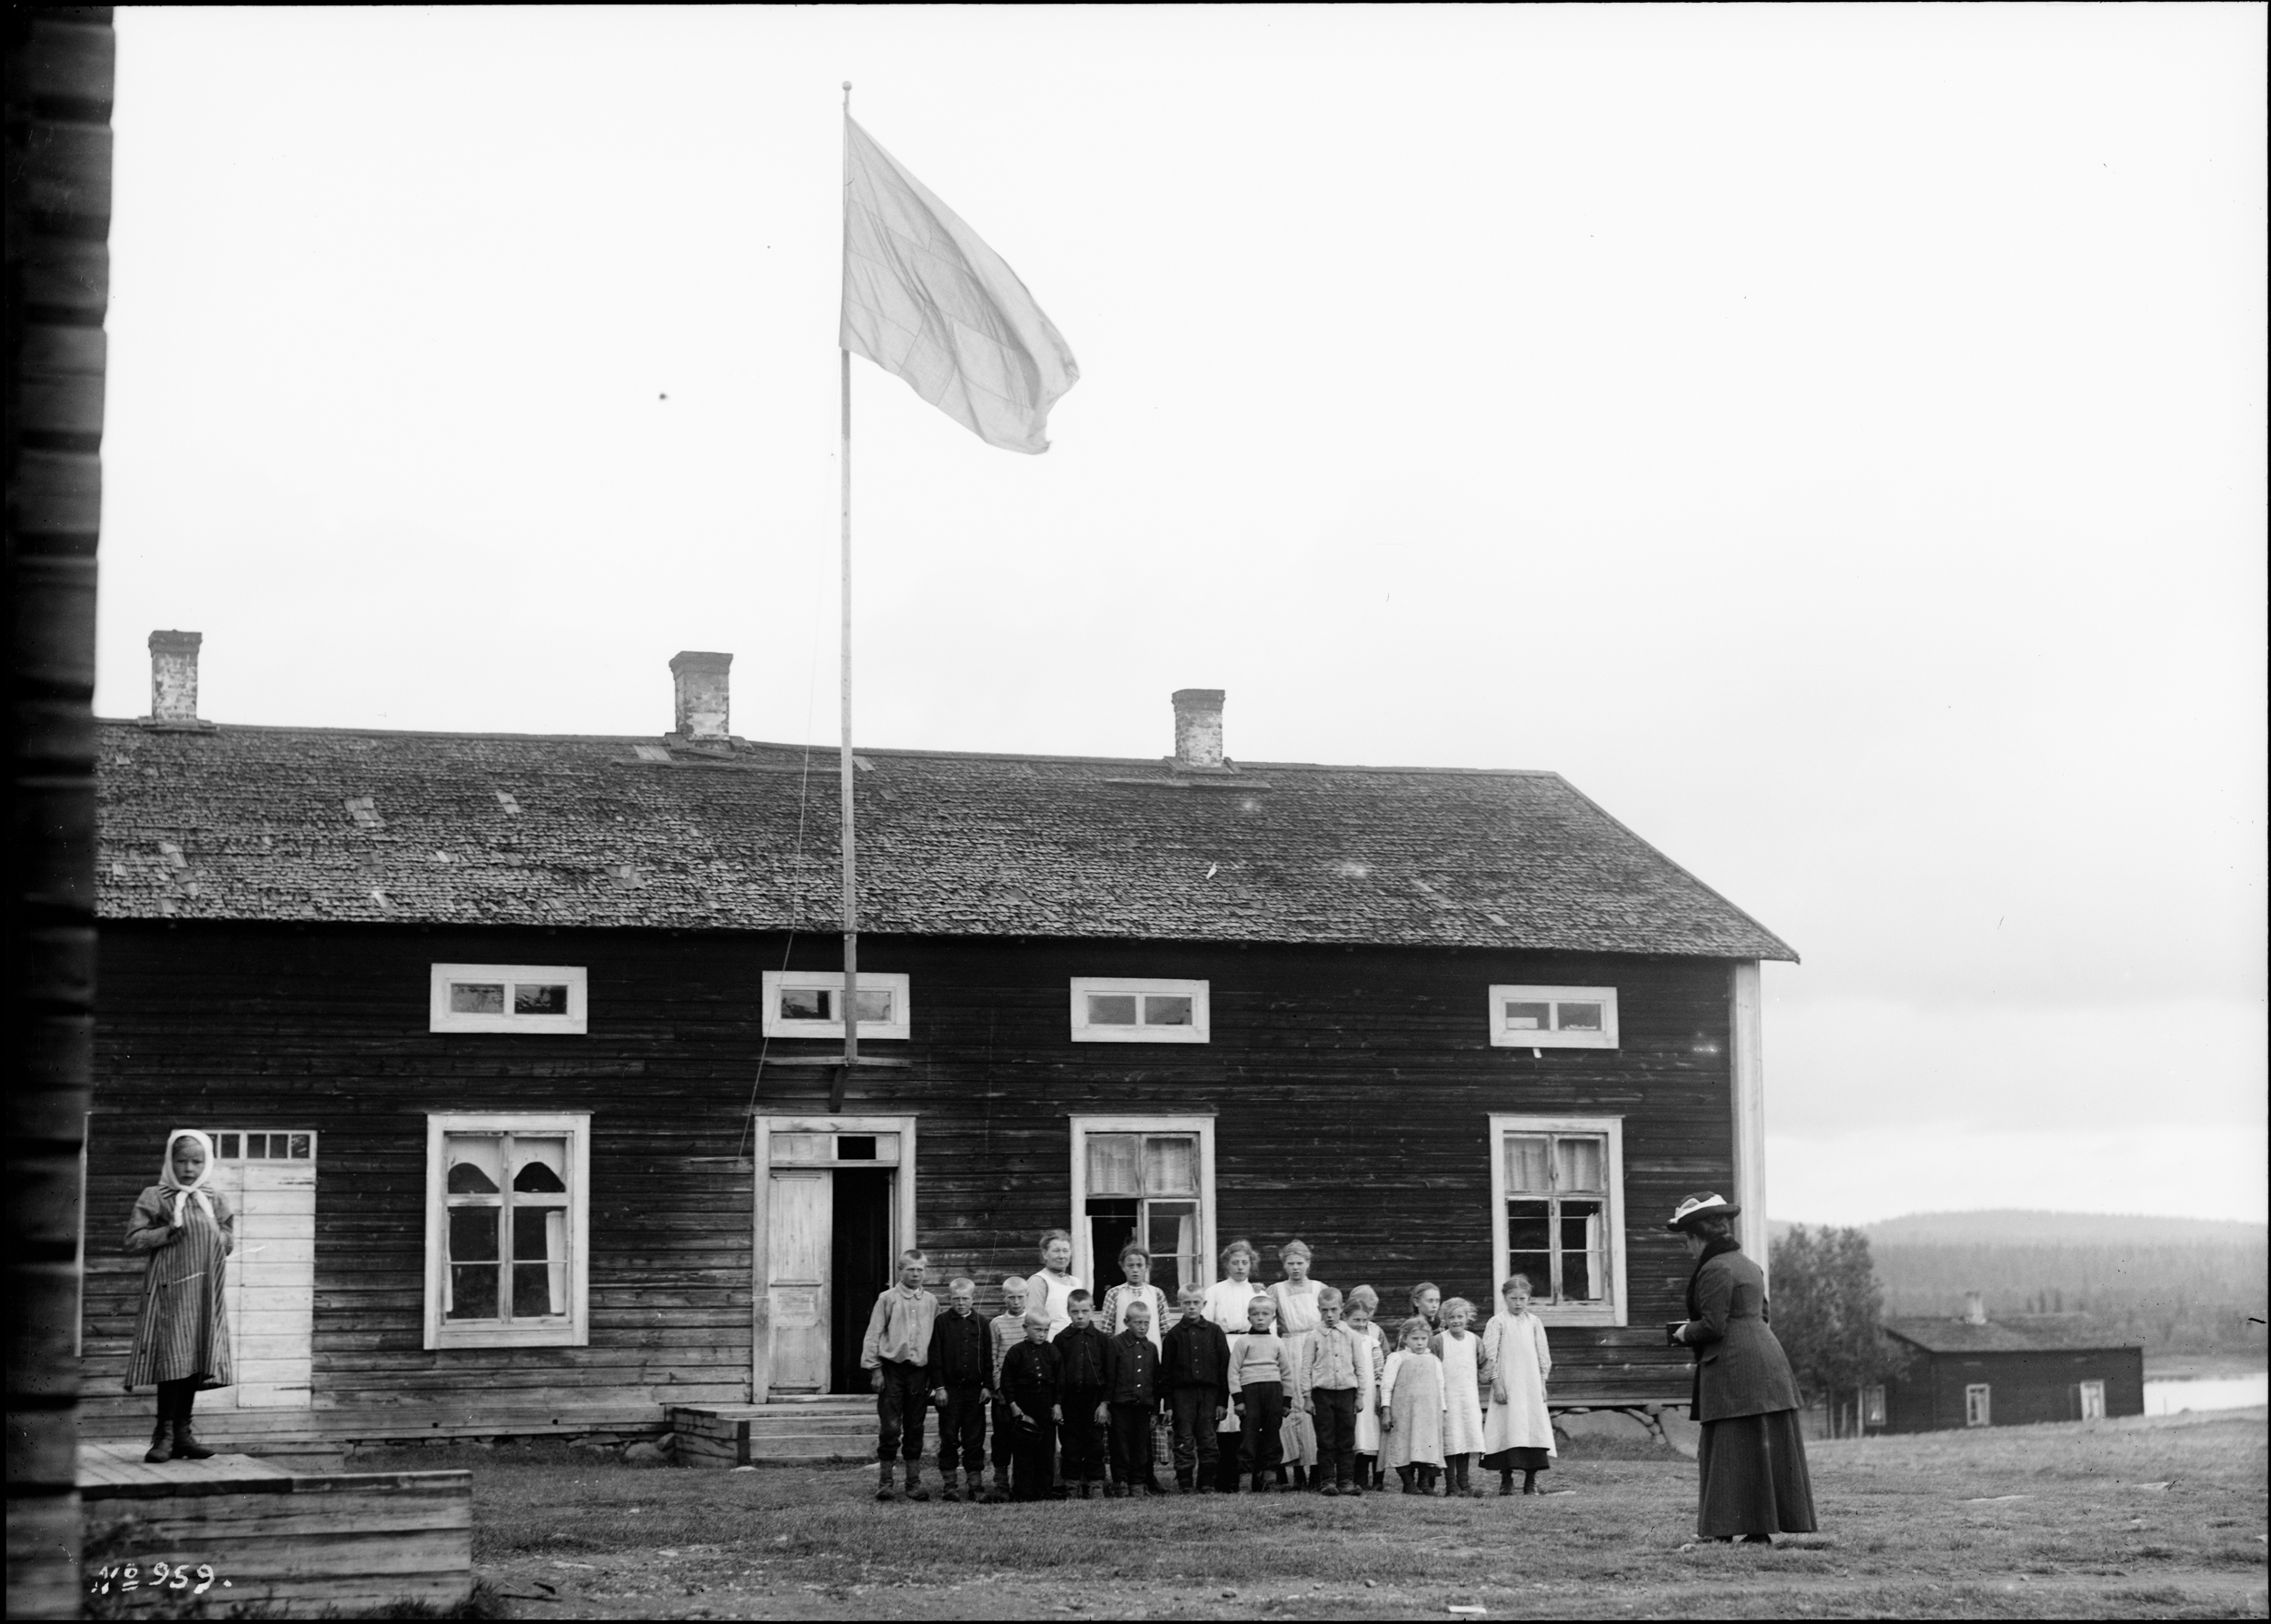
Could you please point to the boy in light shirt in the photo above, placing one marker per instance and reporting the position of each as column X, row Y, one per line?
column 896, row 1354
column 1007, row 1330
column 1336, row 1363
column 1260, row 1377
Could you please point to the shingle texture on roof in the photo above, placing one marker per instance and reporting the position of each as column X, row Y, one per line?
column 2032, row 1334
column 288, row 823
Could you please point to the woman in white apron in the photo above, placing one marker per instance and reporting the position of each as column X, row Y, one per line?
column 1297, row 1322
column 1226, row 1305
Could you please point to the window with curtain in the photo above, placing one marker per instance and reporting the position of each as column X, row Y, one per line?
column 1557, row 1215
column 1557, row 1190
column 508, row 1217
column 1145, row 1187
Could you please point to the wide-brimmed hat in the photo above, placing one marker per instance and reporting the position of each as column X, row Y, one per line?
column 1704, row 1203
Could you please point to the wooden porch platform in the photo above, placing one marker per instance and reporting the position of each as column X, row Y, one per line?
column 280, row 1538
column 330, row 1432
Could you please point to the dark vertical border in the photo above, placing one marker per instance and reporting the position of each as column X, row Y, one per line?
column 59, row 77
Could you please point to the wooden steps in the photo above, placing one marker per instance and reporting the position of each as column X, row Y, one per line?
column 815, row 1429
column 271, row 1537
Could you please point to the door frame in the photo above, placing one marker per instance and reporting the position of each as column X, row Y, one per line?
column 760, row 1259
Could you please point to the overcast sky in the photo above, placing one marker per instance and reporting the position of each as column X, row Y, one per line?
column 1830, row 437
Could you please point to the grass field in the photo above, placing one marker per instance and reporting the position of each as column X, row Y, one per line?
column 2120, row 1519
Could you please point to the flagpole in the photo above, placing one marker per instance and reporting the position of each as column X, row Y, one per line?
column 851, row 861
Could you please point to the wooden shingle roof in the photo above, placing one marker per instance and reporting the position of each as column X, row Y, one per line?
column 333, row 824
column 2029, row 1333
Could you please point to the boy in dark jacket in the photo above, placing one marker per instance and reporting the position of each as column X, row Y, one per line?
column 1194, row 1376
column 1030, row 1388
column 961, row 1373
column 1080, row 1350
column 1131, row 1396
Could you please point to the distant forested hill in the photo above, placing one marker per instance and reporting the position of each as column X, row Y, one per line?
column 2175, row 1284
column 2038, row 1229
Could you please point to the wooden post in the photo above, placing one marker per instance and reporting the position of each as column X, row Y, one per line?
column 60, row 79
column 1746, row 1079
column 850, row 844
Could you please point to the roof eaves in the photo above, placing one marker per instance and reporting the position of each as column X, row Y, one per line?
column 1788, row 951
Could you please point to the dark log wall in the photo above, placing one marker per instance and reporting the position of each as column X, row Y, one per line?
column 2024, row 1388
column 1351, row 1089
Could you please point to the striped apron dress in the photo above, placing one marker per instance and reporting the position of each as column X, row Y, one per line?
column 183, row 1331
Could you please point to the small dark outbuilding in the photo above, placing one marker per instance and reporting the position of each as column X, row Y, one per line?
column 1973, row 1372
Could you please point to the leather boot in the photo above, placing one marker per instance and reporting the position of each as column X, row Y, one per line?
column 185, row 1444
column 951, row 1490
column 161, row 1444
column 999, row 1492
column 884, row 1490
column 915, row 1489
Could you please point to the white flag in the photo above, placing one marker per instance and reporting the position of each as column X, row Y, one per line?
column 924, row 297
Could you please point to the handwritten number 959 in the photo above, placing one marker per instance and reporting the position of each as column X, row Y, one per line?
column 163, row 1576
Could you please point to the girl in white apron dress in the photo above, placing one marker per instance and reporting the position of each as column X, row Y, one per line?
column 1363, row 1303
column 1518, row 1432
column 1411, row 1392
column 1466, row 1375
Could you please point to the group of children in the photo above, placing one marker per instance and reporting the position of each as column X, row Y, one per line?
column 1289, row 1385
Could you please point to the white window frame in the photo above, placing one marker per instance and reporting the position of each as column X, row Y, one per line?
column 1618, row 1309
column 1978, row 1404
column 778, row 982
column 242, row 1152
column 1084, row 1262
column 575, row 1126
column 440, row 1017
column 1198, row 1031
column 1500, row 1038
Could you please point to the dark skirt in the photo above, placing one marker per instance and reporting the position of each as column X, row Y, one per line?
column 1518, row 1460
column 1752, row 1476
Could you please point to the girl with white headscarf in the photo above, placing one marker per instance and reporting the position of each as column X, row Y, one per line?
column 182, row 1341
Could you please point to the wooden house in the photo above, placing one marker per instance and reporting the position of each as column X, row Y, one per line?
column 521, row 1052
column 1972, row 1372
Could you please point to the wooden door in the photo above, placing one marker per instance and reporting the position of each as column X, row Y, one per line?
column 269, row 1295
column 799, row 1215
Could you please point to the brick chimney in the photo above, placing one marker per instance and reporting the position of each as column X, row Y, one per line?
column 173, row 677
column 1974, row 1309
column 1198, row 730
column 702, row 692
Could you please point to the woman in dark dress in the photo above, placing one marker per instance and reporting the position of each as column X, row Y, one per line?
column 1751, row 1462
column 182, row 1340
